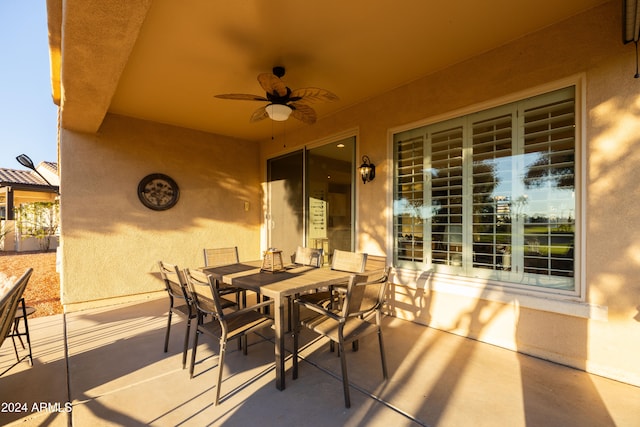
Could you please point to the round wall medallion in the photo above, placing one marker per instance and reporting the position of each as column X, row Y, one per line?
column 158, row 192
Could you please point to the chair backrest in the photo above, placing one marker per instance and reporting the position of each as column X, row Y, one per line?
column 348, row 261
column 9, row 304
column 375, row 263
column 365, row 294
column 216, row 257
column 308, row 256
column 173, row 280
column 204, row 292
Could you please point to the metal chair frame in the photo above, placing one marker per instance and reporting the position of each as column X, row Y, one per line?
column 9, row 304
column 216, row 257
column 363, row 303
column 176, row 288
column 224, row 326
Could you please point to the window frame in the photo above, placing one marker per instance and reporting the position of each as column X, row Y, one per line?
column 502, row 290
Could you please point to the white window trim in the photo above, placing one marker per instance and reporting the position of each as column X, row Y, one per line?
column 482, row 290
column 573, row 304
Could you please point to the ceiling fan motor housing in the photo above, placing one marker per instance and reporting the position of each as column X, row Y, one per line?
column 278, row 71
column 274, row 98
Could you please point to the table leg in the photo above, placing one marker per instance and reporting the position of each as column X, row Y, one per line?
column 278, row 319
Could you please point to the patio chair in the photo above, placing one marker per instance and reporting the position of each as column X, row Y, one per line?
column 375, row 263
column 180, row 302
column 304, row 256
column 351, row 262
column 216, row 257
column 224, row 326
column 9, row 304
column 307, row 256
column 359, row 316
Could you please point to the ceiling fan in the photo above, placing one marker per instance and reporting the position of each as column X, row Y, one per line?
column 282, row 100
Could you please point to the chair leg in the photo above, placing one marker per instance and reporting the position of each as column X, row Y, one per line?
column 193, row 354
column 382, row 356
column 345, row 378
column 332, row 346
column 186, row 344
column 26, row 331
column 223, row 345
column 15, row 348
column 166, row 336
column 16, row 333
column 16, row 327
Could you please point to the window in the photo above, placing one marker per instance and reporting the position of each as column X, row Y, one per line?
column 491, row 195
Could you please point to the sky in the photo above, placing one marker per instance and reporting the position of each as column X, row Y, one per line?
column 28, row 116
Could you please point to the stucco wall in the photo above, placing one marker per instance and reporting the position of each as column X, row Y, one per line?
column 601, row 333
column 111, row 242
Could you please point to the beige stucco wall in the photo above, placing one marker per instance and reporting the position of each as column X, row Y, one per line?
column 111, row 242
column 599, row 332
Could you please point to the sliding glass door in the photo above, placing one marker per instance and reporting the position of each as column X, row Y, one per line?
column 330, row 178
column 311, row 198
column 285, row 210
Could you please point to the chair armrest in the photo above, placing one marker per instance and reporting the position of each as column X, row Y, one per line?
column 320, row 310
column 248, row 309
column 384, row 276
column 365, row 314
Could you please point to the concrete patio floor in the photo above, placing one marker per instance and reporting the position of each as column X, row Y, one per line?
column 114, row 372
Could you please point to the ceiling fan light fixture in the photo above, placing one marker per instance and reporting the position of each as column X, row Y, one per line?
column 278, row 112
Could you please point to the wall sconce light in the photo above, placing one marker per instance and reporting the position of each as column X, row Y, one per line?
column 367, row 170
column 278, row 112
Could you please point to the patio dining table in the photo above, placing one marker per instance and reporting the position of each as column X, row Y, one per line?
column 277, row 286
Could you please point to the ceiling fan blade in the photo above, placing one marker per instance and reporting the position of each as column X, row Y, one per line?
column 241, row 97
column 259, row 114
column 309, row 95
column 303, row 113
column 272, row 84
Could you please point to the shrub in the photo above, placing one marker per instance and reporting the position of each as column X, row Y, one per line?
column 40, row 220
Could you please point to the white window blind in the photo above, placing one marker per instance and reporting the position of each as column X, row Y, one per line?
column 446, row 196
column 549, row 147
column 491, row 195
column 409, row 196
column 492, row 142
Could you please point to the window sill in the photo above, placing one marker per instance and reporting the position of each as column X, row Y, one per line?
column 560, row 304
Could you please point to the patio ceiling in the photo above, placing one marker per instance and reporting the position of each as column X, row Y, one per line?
column 165, row 60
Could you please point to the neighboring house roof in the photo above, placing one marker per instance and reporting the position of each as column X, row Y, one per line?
column 26, row 178
column 51, row 166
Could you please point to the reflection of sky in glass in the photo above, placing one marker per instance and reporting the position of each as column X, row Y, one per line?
column 545, row 200
column 405, row 207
